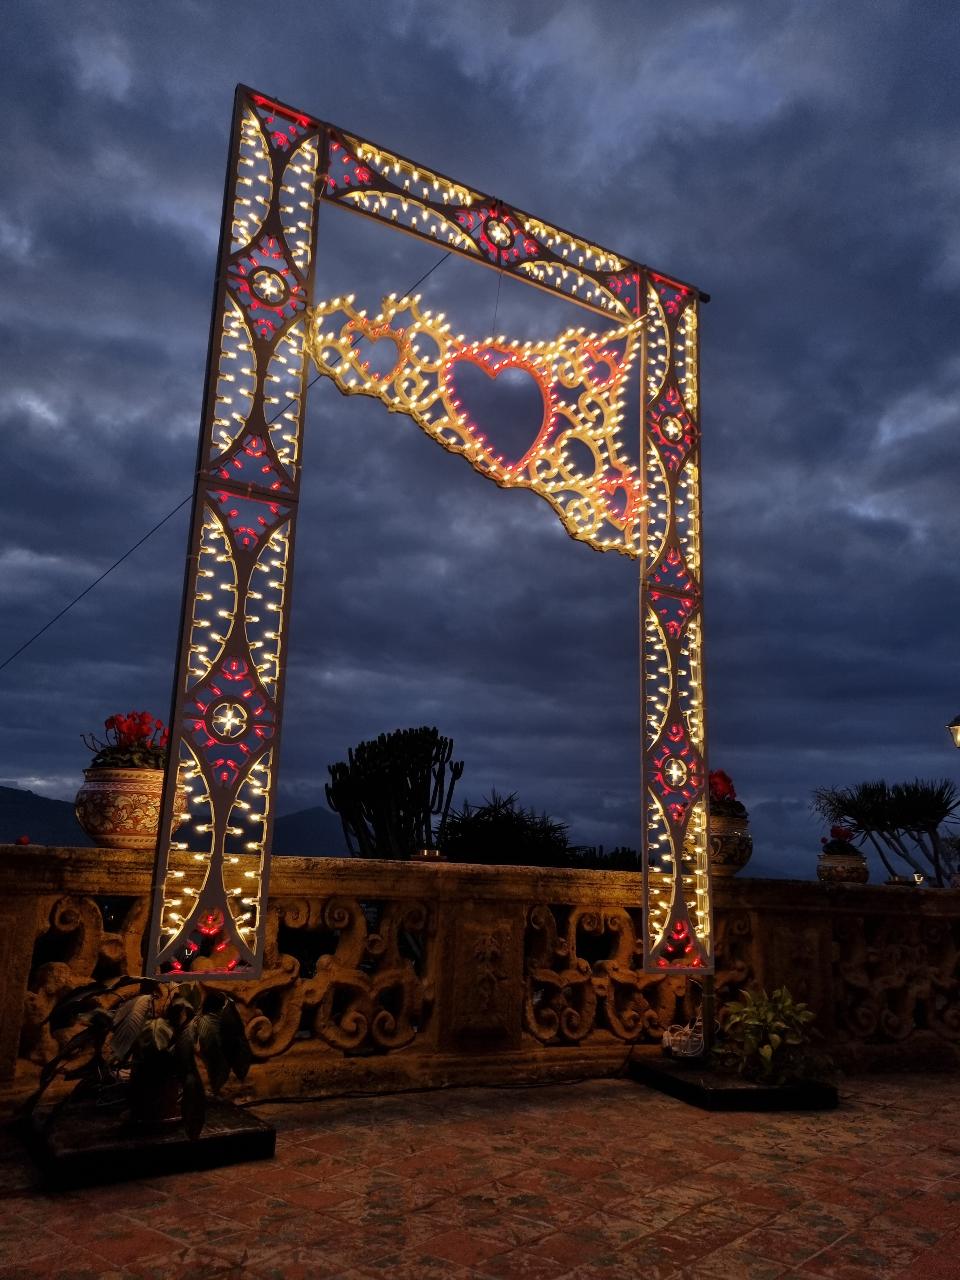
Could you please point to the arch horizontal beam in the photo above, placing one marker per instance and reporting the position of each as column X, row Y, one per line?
column 383, row 184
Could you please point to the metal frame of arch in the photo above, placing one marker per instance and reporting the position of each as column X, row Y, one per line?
column 211, row 875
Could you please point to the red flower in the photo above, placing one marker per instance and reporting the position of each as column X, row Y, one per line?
column 721, row 786
column 137, row 730
column 842, row 833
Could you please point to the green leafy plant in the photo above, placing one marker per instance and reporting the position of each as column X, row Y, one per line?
column 769, row 1039
column 500, row 831
column 900, row 822
column 141, row 1044
column 388, row 791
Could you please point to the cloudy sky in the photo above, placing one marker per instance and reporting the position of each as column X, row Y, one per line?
column 799, row 161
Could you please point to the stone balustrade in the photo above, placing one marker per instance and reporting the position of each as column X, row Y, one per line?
column 879, row 964
column 383, row 975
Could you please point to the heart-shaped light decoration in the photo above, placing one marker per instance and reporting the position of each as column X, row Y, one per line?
column 371, row 337
column 596, row 359
column 493, row 360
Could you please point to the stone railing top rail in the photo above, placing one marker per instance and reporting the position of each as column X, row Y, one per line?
column 38, row 869
column 26, row 869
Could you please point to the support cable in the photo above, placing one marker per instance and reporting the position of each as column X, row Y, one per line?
column 496, row 309
column 170, row 514
column 76, row 599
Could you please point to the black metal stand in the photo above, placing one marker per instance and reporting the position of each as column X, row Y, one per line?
column 690, row 1080
column 85, row 1145
column 708, row 1012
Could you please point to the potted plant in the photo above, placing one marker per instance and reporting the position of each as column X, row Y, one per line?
column 763, row 1059
column 140, row 1056
column 731, row 844
column 769, row 1040
column 840, row 861
column 140, row 1046
column 118, row 805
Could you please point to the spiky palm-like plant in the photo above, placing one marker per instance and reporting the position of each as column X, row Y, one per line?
column 901, row 822
column 501, row 831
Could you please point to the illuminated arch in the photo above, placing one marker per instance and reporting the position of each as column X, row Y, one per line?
column 210, row 895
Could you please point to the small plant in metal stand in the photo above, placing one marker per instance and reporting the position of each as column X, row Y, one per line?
column 141, row 1045
column 769, row 1039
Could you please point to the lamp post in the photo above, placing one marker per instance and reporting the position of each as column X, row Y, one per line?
column 953, row 728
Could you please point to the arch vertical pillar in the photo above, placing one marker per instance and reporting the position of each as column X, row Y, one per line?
column 678, row 931
column 212, row 869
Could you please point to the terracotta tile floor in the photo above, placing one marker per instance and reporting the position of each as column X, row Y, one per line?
column 602, row 1179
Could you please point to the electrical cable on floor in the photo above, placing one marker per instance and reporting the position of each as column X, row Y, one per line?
column 170, row 514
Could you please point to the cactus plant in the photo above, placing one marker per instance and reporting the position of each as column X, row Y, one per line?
column 389, row 790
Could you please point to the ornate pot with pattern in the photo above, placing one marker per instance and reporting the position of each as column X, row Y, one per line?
column 842, row 863
column 731, row 844
column 120, row 808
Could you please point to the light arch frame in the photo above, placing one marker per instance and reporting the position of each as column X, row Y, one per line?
column 209, row 905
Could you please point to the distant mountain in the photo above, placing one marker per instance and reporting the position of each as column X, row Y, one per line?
column 309, row 833
column 23, row 813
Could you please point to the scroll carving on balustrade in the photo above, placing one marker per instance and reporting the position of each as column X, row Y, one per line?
column 734, row 954
column 583, row 972
column 79, row 938
column 485, row 991
column 895, row 974
column 356, row 975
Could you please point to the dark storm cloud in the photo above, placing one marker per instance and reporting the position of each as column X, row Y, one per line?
column 800, row 161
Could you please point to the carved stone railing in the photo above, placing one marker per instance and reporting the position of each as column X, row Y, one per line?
column 386, row 975
column 879, row 964
column 377, row 975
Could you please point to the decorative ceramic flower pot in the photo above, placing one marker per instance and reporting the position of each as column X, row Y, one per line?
column 848, row 867
column 120, row 808
column 731, row 843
